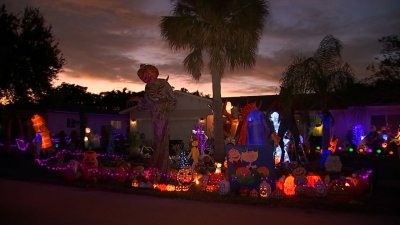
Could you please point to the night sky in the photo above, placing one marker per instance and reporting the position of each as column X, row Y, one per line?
column 105, row 41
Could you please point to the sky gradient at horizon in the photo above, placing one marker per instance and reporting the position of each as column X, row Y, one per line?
column 105, row 41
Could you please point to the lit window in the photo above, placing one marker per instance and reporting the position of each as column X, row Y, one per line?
column 116, row 124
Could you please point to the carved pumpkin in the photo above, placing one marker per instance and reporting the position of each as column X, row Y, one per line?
column 312, row 179
column 185, row 188
column 211, row 188
column 289, row 187
column 162, row 187
column 179, row 188
column 90, row 159
column 299, row 171
column 122, row 172
column 265, row 190
column 147, row 73
column 185, row 176
column 135, row 183
column 170, row 187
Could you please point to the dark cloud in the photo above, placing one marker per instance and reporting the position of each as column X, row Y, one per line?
column 108, row 40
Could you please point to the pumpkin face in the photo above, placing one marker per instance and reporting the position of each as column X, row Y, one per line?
column 185, row 188
column 90, row 159
column 265, row 190
column 135, row 183
column 148, row 73
column 178, row 188
column 170, row 187
column 289, row 187
column 185, row 176
column 299, row 171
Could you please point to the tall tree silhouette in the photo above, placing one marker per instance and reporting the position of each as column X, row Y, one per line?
column 29, row 56
column 226, row 32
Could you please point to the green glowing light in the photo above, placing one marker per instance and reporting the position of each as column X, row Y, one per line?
column 379, row 151
column 351, row 149
column 318, row 148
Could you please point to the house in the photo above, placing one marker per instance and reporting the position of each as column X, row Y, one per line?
column 68, row 121
column 191, row 110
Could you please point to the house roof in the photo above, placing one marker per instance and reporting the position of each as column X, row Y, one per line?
column 182, row 112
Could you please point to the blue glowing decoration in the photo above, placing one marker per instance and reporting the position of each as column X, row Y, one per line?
column 358, row 134
column 385, row 137
column 256, row 128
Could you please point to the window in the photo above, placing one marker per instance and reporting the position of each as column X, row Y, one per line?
column 70, row 123
column 116, row 124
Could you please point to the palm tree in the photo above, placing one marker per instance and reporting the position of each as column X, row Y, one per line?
column 227, row 32
column 322, row 74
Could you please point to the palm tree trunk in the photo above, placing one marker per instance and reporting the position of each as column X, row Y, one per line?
column 219, row 151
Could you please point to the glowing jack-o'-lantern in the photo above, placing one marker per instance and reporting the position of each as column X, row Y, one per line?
column 289, row 187
column 162, row 187
column 171, row 187
column 185, row 188
column 122, row 172
column 265, row 190
column 135, row 183
column 312, row 179
column 185, row 176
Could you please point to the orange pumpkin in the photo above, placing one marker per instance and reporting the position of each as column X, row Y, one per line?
column 147, row 73
column 312, row 179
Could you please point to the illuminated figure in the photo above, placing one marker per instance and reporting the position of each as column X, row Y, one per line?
column 274, row 117
column 40, row 127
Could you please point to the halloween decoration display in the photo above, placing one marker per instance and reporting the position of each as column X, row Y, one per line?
column 72, row 170
column 90, row 159
column 40, row 127
column 135, row 183
column 289, row 187
column 265, row 190
column 184, row 176
column 341, row 190
column 160, row 100
column 333, row 164
column 224, row 187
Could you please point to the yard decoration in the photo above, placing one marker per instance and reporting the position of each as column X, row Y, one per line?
column 224, row 187
column 90, row 159
column 135, row 183
column 320, row 189
column 160, row 100
column 244, row 112
column 265, row 190
column 122, row 172
column 277, row 194
column 300, row 180
column 312, row 179
column 162, row 187
column 299, row 171
column 72, row 170
column 147, row 73
column 40, row 127
column 289, row 186
column 170, row 187
column 263, row 171
column 341, row 190
column 333, row 164
column 184, row 176
column 244, row 191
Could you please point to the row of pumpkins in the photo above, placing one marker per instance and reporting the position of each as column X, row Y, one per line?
column 298, row 183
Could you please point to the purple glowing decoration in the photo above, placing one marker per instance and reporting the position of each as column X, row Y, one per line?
column 201, row 137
